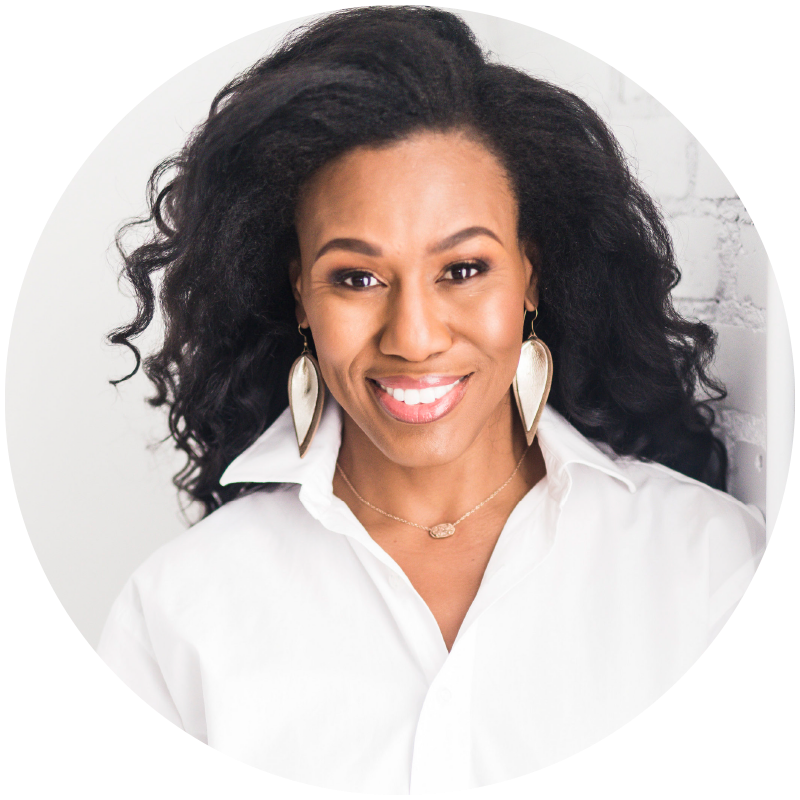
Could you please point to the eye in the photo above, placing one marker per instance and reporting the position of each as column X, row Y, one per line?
column 464, row 270
column 358, row 280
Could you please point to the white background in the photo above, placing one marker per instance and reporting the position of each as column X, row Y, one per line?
column 727, row 729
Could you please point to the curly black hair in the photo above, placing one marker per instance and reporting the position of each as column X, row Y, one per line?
column 628, row 368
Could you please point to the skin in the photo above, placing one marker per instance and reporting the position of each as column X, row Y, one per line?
column 410, row 265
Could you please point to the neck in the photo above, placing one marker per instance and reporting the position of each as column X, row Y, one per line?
column 429, row 494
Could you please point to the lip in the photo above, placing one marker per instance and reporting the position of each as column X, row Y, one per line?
column 423, row 382
column 422, row 412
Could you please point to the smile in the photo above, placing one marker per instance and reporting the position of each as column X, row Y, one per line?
column 413, row 396
column 419, row 400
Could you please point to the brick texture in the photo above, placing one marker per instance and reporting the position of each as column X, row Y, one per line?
column 724, row 274
column 724, row 268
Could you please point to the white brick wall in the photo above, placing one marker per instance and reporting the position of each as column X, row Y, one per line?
column 723, row 262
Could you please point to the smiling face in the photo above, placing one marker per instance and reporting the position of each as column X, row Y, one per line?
column 414, row 284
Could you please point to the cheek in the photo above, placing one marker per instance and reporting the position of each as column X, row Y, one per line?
column 499, row 321
column 342, row 336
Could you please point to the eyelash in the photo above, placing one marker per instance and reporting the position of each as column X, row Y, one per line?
column 479, row 266
column 342, row 278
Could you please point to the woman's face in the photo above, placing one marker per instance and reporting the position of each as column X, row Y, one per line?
column 414, row 285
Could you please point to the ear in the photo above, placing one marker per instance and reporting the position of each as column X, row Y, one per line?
column 532, row 261
column 295, row 278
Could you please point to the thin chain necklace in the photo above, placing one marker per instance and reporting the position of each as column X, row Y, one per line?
column 443, row 529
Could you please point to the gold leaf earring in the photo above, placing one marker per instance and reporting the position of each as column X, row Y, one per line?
column 532, row 381
column 306, row 396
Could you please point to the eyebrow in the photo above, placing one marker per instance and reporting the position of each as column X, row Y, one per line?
column 461, row 236
column 351, row 245
column 367, row 249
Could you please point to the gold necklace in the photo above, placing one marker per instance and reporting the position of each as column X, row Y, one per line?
column 443, row 529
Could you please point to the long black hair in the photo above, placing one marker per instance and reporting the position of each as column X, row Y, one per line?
column 628, row 368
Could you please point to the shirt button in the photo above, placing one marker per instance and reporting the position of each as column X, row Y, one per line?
column 444, row 696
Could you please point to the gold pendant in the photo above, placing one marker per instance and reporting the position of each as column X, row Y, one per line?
column 442, row 530
column 532, row 383
column 306, row 396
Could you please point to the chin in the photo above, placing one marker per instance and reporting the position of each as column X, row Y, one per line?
column 421, row 446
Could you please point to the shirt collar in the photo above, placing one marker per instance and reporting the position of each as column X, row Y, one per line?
column 563, row 446
column 274, row 457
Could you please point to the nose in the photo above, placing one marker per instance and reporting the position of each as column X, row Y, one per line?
column 415, row 328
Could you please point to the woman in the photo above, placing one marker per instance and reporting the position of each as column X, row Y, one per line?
column 479, row 549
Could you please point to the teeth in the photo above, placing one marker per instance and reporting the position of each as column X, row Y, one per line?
column 413, row 397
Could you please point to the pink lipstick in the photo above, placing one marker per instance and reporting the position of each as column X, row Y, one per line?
column 418, row 400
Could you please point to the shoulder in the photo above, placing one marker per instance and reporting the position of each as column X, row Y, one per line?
column 669, row 507
column 640, row 493
column 685, row 496
column 633, row 518
column 629, row 505
column 729, row 536
column 656, row 506
column 244, row 534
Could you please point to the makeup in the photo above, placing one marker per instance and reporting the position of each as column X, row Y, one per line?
column 419, row 400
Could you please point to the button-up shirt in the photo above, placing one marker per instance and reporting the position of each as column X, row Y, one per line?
column 279, row 632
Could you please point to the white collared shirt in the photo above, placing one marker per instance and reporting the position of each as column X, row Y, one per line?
column 277, row 631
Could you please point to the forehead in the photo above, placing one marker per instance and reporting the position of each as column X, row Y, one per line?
column 427, row 185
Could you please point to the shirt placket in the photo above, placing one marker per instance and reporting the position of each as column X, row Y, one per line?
column 442, row 757
column 442, row 751
column 415, row 622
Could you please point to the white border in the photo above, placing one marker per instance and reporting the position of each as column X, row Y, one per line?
column 71, row 71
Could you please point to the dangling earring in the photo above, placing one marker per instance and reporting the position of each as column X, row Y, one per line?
column 532, row 381
column 306, row 396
